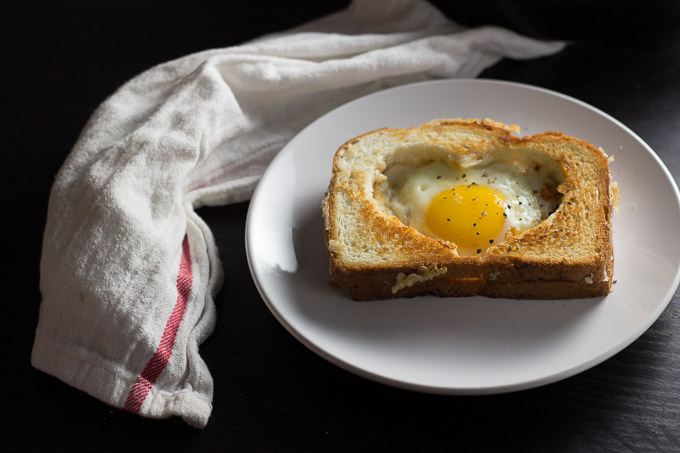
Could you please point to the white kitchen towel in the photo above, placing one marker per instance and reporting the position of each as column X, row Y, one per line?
column 129, row 270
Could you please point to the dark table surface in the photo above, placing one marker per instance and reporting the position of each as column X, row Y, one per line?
column 61, row 59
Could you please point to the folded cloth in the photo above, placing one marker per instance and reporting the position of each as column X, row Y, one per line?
column 129, row 270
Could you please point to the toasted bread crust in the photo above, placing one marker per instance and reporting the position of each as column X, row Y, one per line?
column 568, row 255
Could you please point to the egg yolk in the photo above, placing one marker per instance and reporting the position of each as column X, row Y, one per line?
column 471, row 216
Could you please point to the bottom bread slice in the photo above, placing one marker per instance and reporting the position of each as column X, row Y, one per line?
column 466, row 287
column 443, row 287
column 544, row 289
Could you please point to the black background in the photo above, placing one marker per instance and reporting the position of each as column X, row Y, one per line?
column 61, row 59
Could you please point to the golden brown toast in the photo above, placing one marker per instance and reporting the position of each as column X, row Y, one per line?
column 376, row 255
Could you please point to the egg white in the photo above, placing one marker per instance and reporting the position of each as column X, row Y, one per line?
column 410, row 189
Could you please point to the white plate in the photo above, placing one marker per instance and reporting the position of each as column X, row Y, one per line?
column 469, row 345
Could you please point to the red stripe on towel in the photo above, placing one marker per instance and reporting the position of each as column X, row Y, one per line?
column 159, row 360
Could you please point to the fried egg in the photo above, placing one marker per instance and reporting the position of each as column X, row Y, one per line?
column 471, row 207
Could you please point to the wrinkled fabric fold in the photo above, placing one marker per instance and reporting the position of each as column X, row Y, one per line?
column 129, row 271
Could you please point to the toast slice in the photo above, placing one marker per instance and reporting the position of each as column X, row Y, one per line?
column 376, row 255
